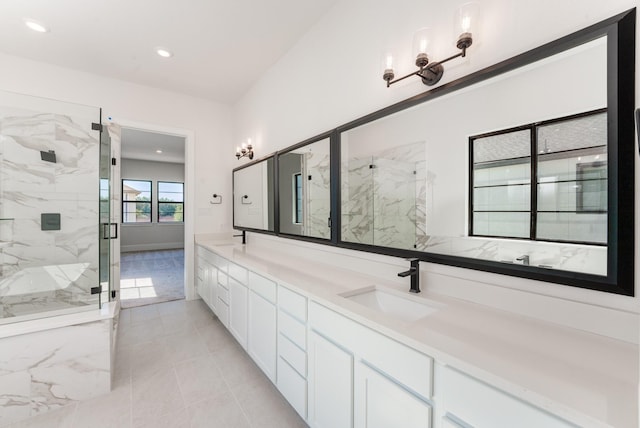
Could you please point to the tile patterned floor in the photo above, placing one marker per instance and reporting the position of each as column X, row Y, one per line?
column 178, row 367
column 148, row 277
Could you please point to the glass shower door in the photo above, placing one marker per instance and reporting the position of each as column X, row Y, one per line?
column 394, row 203
column 49, row 172
column 105, row 216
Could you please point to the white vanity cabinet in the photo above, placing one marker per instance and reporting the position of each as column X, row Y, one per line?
column 292, row 349
column 340, row 373
column 361, row 378
column 238, row 303
column 262, row 321
column 469, row 402
column 206, row 275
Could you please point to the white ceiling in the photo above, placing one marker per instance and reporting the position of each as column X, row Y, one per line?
column 221, row 47
column 143, row 145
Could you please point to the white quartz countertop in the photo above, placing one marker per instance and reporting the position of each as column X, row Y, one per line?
column 588, row 379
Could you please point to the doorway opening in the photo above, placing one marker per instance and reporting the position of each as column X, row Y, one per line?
column 152, row 242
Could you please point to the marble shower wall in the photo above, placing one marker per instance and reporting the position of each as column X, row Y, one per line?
column 48, row 369
column 318, row 195
column 384, row 198
column 30, row 186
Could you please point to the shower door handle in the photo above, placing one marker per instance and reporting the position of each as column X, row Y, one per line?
column 106, row 231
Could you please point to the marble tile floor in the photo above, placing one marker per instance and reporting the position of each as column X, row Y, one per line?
column 148, row 277
column 176, row 366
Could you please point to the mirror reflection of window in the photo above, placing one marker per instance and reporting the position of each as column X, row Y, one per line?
column 572, row 180
column 502, row 185
column 570, row 203
column 297, row 198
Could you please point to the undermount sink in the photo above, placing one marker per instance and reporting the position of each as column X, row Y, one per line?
column 393, row 303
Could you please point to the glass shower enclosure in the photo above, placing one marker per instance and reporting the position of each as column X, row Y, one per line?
column 54, row 201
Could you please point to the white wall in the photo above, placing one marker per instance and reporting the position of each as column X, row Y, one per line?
column 333, row 76
column 154, row 235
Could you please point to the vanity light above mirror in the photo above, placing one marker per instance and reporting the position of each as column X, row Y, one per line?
column 465, row 22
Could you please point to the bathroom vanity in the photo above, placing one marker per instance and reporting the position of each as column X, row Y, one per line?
column 351, row 350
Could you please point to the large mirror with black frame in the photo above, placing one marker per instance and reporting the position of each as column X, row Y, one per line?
column 253, row 196
column 526, row 169
column 304, row 190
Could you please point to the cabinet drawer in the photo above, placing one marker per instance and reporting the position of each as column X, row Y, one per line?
column 200, row 269
column 238, row 272
column 223, row 312
column 479, row 404
column 263, row 286
column 293, row 387
column 407, row 366
column 295, row 356
column 292, row 303
column 223, row 279
column 221, row 263
column 223, row 294
column 292, row 329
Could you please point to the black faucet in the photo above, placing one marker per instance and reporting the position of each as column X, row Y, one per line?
column 414, row 272
column 244, row 236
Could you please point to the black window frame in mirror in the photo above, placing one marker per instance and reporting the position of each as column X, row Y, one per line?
column 273, row 182
column 620, row 32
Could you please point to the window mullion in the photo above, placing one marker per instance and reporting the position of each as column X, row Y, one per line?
column 534, row 183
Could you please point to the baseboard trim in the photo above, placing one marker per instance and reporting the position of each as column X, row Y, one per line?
column 151, row 247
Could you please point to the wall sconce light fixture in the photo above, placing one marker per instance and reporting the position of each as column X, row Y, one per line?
column 431, row 71
column 245, row 151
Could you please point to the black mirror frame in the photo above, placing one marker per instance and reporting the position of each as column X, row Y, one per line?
column 620, row 31
column 279, row 153
column 233, row 192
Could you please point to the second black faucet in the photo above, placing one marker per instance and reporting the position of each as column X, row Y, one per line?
column 414, row 272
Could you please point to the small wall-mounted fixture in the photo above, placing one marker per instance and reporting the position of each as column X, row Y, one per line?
column 245, row 151
column 431, row 71
column 244, row 200
column 49, row 156
column 217, row 199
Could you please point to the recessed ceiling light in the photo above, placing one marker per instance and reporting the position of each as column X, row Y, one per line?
column 36, row 26
column 164, row 52
column 159, row 152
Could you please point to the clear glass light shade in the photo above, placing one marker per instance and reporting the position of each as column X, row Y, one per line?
column 387, row 64
column 422, row 41
column 466, row 18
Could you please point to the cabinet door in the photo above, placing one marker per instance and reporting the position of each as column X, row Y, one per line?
column 380, row 403
column 330, row 384
column 263, row 334
column 238, row 311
